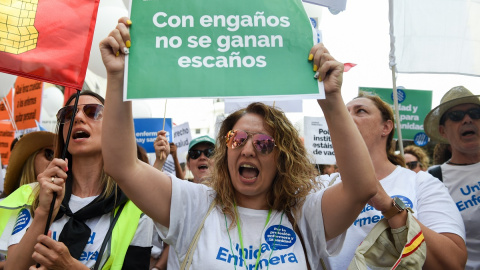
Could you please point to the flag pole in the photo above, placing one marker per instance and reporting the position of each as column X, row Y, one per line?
column 10, row 113
column 163, row 127
column 64, row 153
column 397, row 114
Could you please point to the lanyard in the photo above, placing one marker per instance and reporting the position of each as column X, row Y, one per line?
column 241, row 239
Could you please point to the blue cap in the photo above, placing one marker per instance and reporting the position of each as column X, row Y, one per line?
column 201, row 139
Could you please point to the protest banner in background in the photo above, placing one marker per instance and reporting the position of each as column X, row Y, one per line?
column 413, row 106
column 219, row 48
column 27, row 102
column 181, row 137
column 7, row 134
column 318, row 141
column 6, row 106
column 146, row 131
column 47, row 40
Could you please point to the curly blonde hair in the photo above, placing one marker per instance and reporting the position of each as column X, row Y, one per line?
column 295, row 172
column 420, row 154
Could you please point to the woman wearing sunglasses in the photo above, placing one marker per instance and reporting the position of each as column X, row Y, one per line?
column 199, row 162
column 416, row 158
column 31, row 154
column 95, row 226
column 265, row 203
column 432, row 206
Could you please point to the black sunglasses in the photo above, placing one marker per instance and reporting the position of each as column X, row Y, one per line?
column 48, row 154
column 413, row 164
column 457, row 116
column 92, row 111
column 194, row 154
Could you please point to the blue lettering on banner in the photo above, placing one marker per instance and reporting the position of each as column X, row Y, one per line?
column 280, row 237
column 23, row 218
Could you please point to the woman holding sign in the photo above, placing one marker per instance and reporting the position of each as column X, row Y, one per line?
column 95, row 226
column 261, row 206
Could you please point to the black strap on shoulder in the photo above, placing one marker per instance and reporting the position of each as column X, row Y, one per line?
column 108, row 236
column 297, row 231
column 436, row 171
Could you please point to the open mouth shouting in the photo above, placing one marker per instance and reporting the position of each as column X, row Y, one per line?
column 80, row 134
column 203, row 168
column 248, row 173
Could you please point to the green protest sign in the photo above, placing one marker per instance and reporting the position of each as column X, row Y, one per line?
column 220, row 48
column 413, row 106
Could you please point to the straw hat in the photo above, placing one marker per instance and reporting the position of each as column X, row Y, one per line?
column 23, row 149
column 455, row 96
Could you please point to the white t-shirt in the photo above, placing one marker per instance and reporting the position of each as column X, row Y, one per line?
column 219, row 248
column 463, row 183
column 98, row 225
column 426, row 195
column 157, row 246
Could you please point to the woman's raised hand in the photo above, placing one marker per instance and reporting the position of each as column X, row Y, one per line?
column 327, row 69
column 114, row 47
column 161, row 146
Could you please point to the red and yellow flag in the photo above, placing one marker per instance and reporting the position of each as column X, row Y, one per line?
column 47, row 40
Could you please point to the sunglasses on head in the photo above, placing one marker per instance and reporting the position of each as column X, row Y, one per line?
column 48, row 154
column 194, row 154
column 263, row 143
column 457, row 116
column 92, row 111
column 413, row 164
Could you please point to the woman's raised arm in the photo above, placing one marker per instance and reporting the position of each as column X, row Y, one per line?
column 148, row 188
column 342, row 203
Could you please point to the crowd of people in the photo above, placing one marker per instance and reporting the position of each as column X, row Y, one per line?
column 255, row 200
